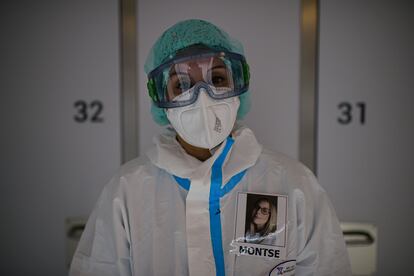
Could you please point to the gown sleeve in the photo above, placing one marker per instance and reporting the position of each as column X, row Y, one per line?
column 104, row 246
column 322, row 250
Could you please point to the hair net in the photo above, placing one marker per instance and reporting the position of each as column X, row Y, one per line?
column 182, row 35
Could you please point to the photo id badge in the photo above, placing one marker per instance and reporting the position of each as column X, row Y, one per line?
column 261, row 225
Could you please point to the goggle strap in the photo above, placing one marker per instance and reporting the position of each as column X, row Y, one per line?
column 152, row 90
column 246, row 72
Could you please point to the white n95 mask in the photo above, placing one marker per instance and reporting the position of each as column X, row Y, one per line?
column 207, row 122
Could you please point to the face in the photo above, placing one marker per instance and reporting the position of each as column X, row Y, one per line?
column 261, row 214
column 184, row 75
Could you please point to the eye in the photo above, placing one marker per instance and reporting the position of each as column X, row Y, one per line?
column 182, row 85
column 219, row 77
column 218, row 80
column 177, row 84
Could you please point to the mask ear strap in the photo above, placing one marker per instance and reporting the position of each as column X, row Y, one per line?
column 230, row 70
column 205, row 70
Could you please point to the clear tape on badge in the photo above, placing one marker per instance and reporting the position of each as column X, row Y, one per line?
column 261, row 226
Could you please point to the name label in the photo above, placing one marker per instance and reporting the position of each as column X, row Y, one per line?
column 259, row 251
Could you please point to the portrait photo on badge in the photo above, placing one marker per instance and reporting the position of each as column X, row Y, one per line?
column 260, row 228
column 261, row 219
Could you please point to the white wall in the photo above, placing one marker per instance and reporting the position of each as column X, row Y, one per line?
column 366, row 55
column 269, row 30
column 53, row 53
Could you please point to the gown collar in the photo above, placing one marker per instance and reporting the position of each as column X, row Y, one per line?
column 169, row 155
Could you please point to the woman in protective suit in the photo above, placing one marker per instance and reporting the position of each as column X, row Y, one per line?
column 172, row 211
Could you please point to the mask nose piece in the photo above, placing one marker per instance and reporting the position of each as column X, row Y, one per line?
column 202, row 88
column 203, row 91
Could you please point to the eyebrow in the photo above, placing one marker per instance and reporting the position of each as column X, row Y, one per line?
column 186, row 74
column 217, row 67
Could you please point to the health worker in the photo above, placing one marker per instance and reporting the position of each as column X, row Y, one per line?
column 179, row 209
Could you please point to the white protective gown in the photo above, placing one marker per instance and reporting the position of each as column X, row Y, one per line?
column 171, row 214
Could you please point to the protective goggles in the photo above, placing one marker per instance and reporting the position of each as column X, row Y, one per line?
column 177, row 82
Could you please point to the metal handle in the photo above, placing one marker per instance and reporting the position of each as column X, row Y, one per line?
column 358, row 237
column 75, row 232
